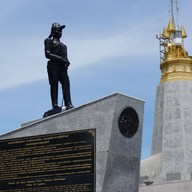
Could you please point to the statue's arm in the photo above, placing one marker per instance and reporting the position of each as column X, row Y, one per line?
column 51, row 56
column 67, row 63
column 48, row 53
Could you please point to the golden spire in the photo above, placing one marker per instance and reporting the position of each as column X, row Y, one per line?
column 184, row 34
column 165, row 34
column 176, row 64
column 171, row 26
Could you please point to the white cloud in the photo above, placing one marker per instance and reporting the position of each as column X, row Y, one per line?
column 131, row 42
column 21, row 61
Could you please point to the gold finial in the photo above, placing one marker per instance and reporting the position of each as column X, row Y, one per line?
column 184, row 34
column 171, row 26
column 165, row 34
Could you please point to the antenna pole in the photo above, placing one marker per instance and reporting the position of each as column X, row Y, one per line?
column 176, row 11
column 177, row 7
column 172, row 10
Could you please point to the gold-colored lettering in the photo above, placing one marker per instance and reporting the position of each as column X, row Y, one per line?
column 39, row 157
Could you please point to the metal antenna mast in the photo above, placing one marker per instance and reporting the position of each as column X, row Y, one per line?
column 177, row 12
column 172, row 15
column 177, row 7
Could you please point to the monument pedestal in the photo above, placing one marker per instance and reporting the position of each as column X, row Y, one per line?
column 118, row 120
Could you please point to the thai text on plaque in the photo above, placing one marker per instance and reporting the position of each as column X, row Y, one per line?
column 54, row 162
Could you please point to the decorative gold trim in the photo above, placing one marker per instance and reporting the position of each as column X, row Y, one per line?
column 176, row 69
column 174, row 52
column 184, row 34
column 176, row 77
column 92, row 132
column 171, row 26
column 166, row 34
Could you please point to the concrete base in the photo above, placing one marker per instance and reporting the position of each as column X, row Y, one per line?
column 176, row 187
column 117, row 157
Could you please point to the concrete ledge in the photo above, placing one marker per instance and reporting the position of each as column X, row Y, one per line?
column 176, row 187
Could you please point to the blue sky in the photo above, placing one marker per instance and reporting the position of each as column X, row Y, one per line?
column 111, row 47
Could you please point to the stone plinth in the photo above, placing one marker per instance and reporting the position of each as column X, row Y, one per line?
column 117, row 157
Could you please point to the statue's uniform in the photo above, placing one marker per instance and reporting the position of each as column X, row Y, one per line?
column 57, row 67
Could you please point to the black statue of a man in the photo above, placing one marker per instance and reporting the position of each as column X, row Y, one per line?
column 57, row 66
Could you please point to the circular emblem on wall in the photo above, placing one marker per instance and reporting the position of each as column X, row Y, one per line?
column 128, row 122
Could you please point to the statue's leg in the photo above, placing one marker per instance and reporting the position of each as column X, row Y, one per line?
column 66, row 93
column 54, row 94
column 53, row 81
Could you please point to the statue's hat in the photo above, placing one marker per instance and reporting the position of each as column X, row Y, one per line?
column 57, row 25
